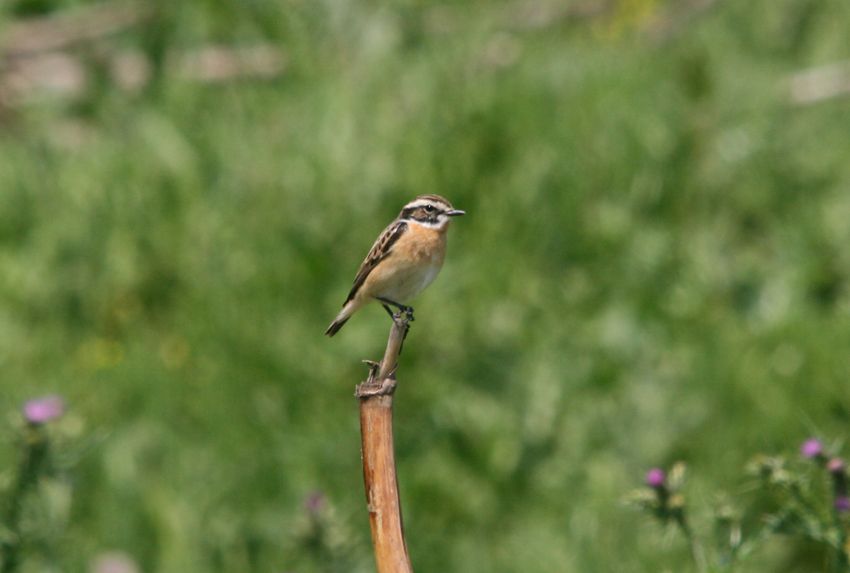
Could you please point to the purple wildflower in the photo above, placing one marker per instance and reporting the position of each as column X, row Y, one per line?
column 655, row 478
column 811, row 448
column 842, row 503
column 835, row 466
column 315, row 502
column 44, row 409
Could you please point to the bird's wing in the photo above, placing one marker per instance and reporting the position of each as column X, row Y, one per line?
column 380, row 250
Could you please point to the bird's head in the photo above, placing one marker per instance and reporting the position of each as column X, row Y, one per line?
column 430, row 210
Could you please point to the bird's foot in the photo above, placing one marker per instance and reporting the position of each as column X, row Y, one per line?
column 403, row 310
column 408, row 312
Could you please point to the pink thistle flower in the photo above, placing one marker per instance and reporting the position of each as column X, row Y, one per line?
column 835, row 466
column 315, row 502
column 42, row 410
column 812, row 448
column 655, row 478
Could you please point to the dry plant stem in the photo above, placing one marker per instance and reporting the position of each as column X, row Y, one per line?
column 379, row 472
column 71, row 27
column 697, row 553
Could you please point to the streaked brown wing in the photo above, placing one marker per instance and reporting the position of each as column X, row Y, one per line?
column 380, row 250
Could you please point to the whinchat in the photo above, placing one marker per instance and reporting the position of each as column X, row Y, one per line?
column 404, row 260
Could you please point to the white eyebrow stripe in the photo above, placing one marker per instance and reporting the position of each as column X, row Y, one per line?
column 425, row 203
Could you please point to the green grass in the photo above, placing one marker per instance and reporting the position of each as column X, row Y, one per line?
column 654, row 267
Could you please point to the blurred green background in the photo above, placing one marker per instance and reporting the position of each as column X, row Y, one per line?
column 654, row 267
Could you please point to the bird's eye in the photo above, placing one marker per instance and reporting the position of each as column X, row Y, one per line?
column 429, row 208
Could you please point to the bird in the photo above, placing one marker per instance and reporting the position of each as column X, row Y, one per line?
column 405, row 258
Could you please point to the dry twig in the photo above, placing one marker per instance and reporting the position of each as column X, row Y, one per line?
column 41, row 55
column 66, row 29
column 379, row 472
column 66, row 75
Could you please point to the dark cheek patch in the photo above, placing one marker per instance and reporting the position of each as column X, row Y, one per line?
column 420, row 214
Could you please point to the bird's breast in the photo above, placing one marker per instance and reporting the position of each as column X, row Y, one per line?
column 421, row 245
column 415, row 262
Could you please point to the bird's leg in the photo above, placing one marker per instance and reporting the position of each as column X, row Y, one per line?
column 389, row 302
column 407, row 310
column 404, row 311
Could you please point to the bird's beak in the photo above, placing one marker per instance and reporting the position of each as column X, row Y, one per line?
column 455, row 213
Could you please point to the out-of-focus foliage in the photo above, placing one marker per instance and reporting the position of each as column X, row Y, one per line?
column 804, row 501
column 654, row 266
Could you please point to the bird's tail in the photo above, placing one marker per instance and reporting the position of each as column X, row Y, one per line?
column 341, row 318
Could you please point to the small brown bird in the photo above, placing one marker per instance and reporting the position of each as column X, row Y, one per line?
column 404, row 260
